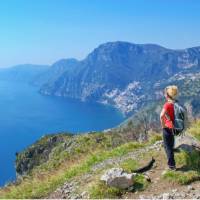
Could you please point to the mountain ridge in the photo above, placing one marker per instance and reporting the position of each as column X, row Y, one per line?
column 120, row 73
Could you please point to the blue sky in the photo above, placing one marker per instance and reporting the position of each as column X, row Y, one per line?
column 43, row 31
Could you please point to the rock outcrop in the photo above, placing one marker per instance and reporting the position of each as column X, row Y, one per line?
column 36, row 154
column 187, row 143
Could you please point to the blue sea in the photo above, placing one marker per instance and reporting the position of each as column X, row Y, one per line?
column 26, row 115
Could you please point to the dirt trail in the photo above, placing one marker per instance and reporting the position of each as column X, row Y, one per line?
column 158, row 188
column 157, row 185
column 72, row 188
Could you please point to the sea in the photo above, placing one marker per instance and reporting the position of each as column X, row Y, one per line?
column 26, row 116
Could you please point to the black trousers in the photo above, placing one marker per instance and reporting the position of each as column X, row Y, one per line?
column 168, row 140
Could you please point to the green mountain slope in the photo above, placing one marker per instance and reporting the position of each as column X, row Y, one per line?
column 74, row 163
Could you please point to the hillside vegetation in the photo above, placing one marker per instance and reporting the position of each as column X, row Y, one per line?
column 70, row 166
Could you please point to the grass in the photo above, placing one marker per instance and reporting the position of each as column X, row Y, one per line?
column 154, row 138
column 182, row 178
column 140, row 183
column 99, row 190
column 189, row 161
column 189, row 170
column 194, row 129
column 40, row 186
column 129, row 165
column 81, row 145
column 95, row 188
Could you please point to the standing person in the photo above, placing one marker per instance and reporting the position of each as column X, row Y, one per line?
column 167, row 123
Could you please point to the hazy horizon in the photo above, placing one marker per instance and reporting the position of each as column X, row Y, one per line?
column 42, row 32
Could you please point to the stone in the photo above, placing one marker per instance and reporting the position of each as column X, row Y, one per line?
column 166, row 195
column 116, row 177
column 189, row 187
column 187, row 143
column 174, row 190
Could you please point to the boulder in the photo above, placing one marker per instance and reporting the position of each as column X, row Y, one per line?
column 187, row 143
column 117, row 177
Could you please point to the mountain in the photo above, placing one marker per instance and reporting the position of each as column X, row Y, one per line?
column 55, row 71
column 25, row 73
column 124, row 75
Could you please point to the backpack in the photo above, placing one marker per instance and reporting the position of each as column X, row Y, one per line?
column 180, row 118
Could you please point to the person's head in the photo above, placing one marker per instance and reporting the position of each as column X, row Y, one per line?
column 171, row 92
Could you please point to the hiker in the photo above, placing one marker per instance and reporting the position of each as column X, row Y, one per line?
column 167, row 123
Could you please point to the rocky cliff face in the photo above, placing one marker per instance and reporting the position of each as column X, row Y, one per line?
column 36, row 154
column 124, row 74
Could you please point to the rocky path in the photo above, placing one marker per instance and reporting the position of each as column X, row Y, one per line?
column 191, row 191
column 157, row 189
column 160, row 189
column 71, row 189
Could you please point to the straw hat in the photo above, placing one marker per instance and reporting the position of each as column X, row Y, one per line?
column 172, row 91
